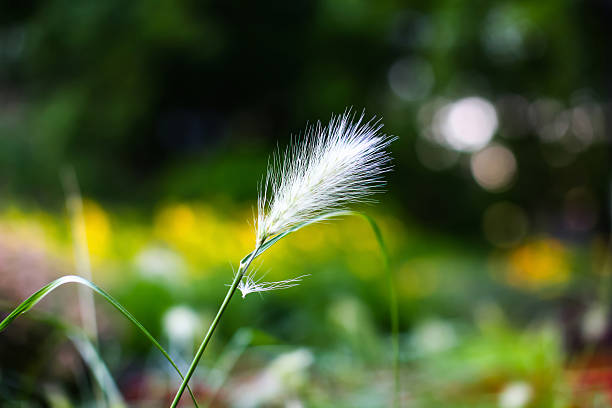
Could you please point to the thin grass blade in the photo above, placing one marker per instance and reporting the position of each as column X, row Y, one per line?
column 99, row 370
column 393, row 302
column 30, row 302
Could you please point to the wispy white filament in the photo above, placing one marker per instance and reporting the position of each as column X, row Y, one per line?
column 329, row 168
column 249, row 284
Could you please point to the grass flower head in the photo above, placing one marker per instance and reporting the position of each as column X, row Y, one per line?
column 327, row 169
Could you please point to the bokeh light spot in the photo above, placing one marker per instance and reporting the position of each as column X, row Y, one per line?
column 467, row 124
column 494, row 167
column 411, row 78
column 503, row 35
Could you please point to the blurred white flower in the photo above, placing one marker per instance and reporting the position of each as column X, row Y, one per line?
column 158, row 262
column 329, row 168
column 181, row 324
column 434, row 336
column 277, row 384
column 594, row 323
column 515, row 395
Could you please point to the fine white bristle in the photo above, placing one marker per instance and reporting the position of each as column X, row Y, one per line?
column 249, row 284
column 327, row 169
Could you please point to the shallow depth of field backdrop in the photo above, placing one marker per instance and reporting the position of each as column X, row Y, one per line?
column 497, row 215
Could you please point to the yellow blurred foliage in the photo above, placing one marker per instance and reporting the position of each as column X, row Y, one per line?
column 202, row 235
column 98, row 229
column 208, row 239
column 539, row 263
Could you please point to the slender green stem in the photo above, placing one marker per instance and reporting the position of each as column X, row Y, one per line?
column 267, row 243
column 244, row 265
column 393, row 308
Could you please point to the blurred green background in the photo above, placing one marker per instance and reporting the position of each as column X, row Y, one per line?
column 497, row 214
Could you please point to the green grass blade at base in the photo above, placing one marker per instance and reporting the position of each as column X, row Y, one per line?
column 30, row 302
column 100, row 372
column 393, row 302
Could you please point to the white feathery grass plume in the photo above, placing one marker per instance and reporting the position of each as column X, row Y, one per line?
column 249, row 284
column 326, row 170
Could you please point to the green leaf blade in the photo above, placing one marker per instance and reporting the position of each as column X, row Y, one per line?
column 39, row 295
